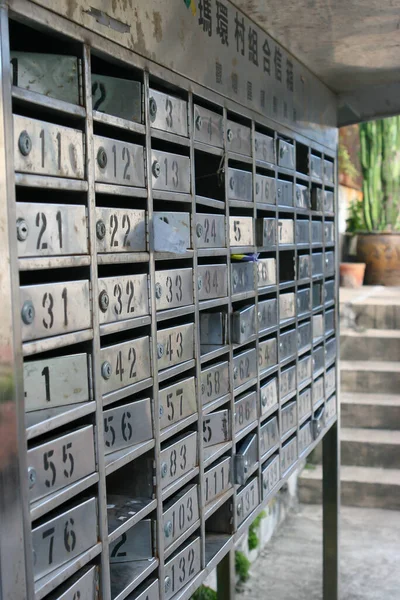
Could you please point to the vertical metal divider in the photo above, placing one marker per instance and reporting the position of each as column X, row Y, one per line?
column 324, row 273
column 96, row 368
column 311, row 279
column 16, row 569
column 296, row 279
column 197, row 349
column 278, row 311
column 154, row 360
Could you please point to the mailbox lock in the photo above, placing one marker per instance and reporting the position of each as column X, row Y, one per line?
column 156, row 169
column 239, row 509
column 167, row 584
column 160, row 350
column 235, row 373
column 232, row 183
column 199, row 122
column 158, row 291
column 100, row 230
column 279, row 192
column 243, row 327
column 199, row 283
column 312, row 165
column 199, row 230
column 264, row 399
column 265, row 484
column 256, row 145
column 168, row 529
column 203, row 389
column 229, row 135
column 282, row 150
column 257, row 188
column 259, row 315
column 24, row 143
column 104, row 301
column 106, row 370
column 164, row 469
column 298, row 194
column 152, row 108
column 161, row 410
column 22, row 230
column 31, row 477
column 235, row 278
column 102, row 157
column 28, row 312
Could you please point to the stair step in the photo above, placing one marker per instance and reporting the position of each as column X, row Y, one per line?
column 378, row 411
column 360, row 486
column 375, row 307
column 370, row 344
column 370, row 448
column 370, row 376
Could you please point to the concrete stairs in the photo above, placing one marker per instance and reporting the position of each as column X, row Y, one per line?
column 370, row 403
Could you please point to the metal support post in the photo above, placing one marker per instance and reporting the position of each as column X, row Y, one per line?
column 226, row 577
column 331, row 509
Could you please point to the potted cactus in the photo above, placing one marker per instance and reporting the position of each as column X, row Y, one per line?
column 378, row 239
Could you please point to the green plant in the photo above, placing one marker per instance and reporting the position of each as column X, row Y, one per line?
column 345, row 163
column 242, row 566
column 204, row 593
column 355, row 221
column 253, row 540
column 380, row 164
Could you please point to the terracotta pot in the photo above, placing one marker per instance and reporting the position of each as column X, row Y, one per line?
column 381, row 253
column 351, row 274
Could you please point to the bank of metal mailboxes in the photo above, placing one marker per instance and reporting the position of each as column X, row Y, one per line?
column 174, row 312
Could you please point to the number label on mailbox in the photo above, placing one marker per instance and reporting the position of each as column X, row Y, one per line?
column 208, row 127
column 54, row 308
column 216, row 428
column 214, row 382
column 124, row 297
column 244, row 367
column 287, row 344
column 247, row 500
column 266, row 272
column 240, row 185
column 288, row 454
column 124, row 364
column 267, row 314
column 212, row 281
column 118, row 162
column 304, row 403
column 269, row 395
column 305, row 437
column 318, row 391
column 269, row 436
column 217, row 479
column 47, row 149
column 267, row 354
column 286, row 232
column 177, row 401
column 242, row 277
column 134, row 544
column 286, row 306
column 180, row 513
column 210, row 231
column 120, row 230
column 175, row 345
column 288, row 417
column 245, row 411
column 127, row 425
column 180, row 569
column 264, row 148
column 288, row 382
column 170, row 172
column 174, row 288
column 265, row 189
column 270, row 475
column 83, row 588
column 51, row 229
column 241, row 231
column 178, row 457
column 168, row 113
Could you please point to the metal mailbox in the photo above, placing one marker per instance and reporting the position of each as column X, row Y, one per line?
column 329, row 263
column 317, row 264
column 177, row 401
column 43, row 148
column 287, row 383
column 318, row 359
column 127, row 425
column 213, row 329
column 147, row 591
column 330, row 381
column 244, row 367
column 171, row 232
column 212, row 281
column 315, row 167
column 174, row 288
column 245, row 411
column 242, row 277
column 269, row 436
column 216, row 428
column 317, row 199
column 238, row 138
column 329, row 232
column 168, row 113
column 118, row 97
column 124, row 297
column 288, row 455
column 124, row 364
column 302, row 231
column 267, row 314
column 245, row 458
column 303, row 335
column 304, row 404
column 303, row 301
column 316, row 232
column 82, row 586
column 330, row 350
column 328, row 201
column 287, row 305
column 329, row 291
column 217, row 479
column 284, row 193
column 60, row 462
column 210, row 231
column 52, row 75
column 134, row 544
column 304, row 370
column 318, row 389
column 243, row 324
column 208, row 127
column 318, row 326
column 329, row 321
column 265, row 189
column 120, row 230
column 287, row 344
column 303, row 266
column 302, row 196
column 178, row 456
column 62, row 538
column 241, row 231
column 54, row 308
column 330, row 408
column 118, row 162
column 266, row 233
column 267, row 354
column 51, row 229
column 286, row 232
column 285, row 154
column 48, row 382
column 305, row 437
column 170, row 172
column 269, row 395
column 317, row 294
column 214, row 382
column 181, row 568
column 180, row 513
column 175, row 345
column 246, row 500
column 264, row 148
column 266, row 268
column 270, row 475
column 240, row 185
column 329, row 172
column 288, row 417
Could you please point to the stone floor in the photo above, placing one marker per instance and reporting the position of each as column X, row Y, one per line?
column 290, row 567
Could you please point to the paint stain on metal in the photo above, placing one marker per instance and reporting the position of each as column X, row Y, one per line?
column 104, row 19
column 140, row 44
column 157, row 25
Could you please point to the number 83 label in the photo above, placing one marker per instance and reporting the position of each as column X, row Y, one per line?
column 178, row 458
